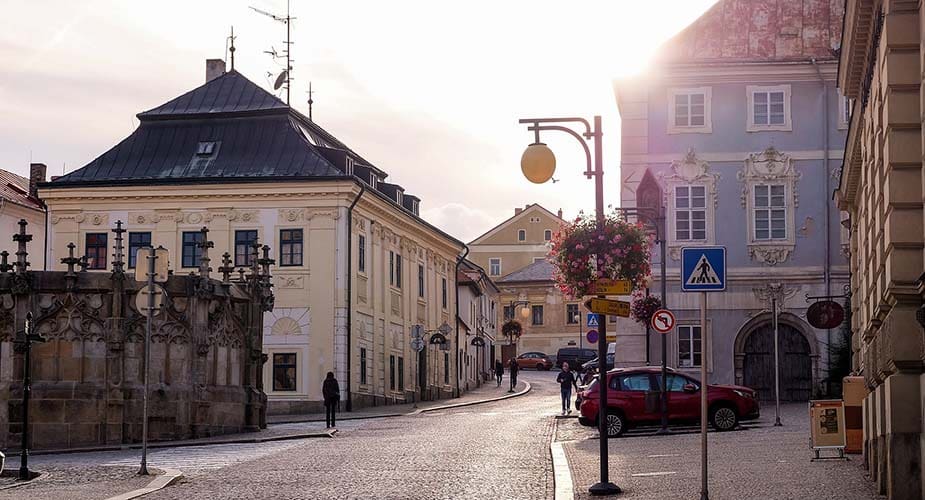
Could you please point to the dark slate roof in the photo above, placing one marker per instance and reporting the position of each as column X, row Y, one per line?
column 538, row 271
column 229, row 93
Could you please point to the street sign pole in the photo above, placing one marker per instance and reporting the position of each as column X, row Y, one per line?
column 704, row 343
column 147, row 361
column 776, row 366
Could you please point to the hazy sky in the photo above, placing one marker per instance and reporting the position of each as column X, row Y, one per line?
column 430, row 91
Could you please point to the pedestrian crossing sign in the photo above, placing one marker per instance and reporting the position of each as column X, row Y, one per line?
column 703, row 269
column 592, row 321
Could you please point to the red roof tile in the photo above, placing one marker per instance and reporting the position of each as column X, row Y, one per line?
column 15, row 188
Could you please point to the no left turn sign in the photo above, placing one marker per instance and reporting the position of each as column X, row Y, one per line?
column 663, row 321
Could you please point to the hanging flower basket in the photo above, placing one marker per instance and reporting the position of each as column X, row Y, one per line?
column 512, row 329
column 644, row 307
column 584, row 253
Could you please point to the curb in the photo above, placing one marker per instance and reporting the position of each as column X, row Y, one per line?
column 472, row 403
column 562, row 476
column 316, row 419
column 37, row 478
column 168, row 444
column 160, row 482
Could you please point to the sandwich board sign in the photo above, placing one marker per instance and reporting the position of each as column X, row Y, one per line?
column 703, row 269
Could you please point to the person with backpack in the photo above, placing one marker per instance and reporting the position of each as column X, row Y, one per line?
column 330, row 390
column 512, row 367
column 499, row 371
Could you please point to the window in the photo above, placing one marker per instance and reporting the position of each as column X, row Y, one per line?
column 770, row 212
column 420, row 281
column 537, row 314
column 572, row 316
column 398, row 271
column 284, row 374
column 192, row 252
column 363, row 366
column 290, row 247
column 391, row 267
column 547, row 235
column 768, row 108
column 96, row 250
column 494, row 267
column 690, row 213
column 392, row 372
column 508, row 313
column 443, row 293
column 205, row 148
column 136, row 241
column 675, row 383
column 446, row 368
column 394, row 269
column 521, row 235
column 243, row 246
column 401, row 373
column 689, row 110
column 688, row 346
column 844, row 111
column 361, row 254
column 638, row 382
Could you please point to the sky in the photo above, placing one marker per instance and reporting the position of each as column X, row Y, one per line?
column 429, row 91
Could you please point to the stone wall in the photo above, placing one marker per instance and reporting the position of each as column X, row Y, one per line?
column 88, row 374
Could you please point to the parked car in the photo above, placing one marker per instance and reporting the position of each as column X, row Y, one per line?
column 611, row 352
column 535, row 360
column 633, row 398
column 574, row 356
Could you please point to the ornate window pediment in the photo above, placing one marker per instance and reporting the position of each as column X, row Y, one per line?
column 770, row 197
column 690, row 199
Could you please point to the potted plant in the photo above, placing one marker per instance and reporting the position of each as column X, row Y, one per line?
column 583, row 253
column 512, row 329
column 643, row 307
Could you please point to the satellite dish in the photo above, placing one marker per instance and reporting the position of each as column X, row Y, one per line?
column 280, row 80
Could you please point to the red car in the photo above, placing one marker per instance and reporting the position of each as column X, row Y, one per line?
column 535, row 360
column 633, row 397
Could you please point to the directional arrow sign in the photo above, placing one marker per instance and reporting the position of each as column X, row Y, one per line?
column 611, row 287
column 609, row 307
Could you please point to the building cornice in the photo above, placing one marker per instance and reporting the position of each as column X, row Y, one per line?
column 741, row 72
column 856, row 32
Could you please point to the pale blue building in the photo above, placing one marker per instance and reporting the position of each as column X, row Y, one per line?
column 736, row 130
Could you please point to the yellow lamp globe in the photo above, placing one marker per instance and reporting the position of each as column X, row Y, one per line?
column 538, row 163
column 525, row 312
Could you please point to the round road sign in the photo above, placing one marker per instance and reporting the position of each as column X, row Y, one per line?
column 592, row 336
column 663, row 321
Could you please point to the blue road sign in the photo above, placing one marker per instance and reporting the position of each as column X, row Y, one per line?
column 703, row 269
column 592, row 321
column 592, row 336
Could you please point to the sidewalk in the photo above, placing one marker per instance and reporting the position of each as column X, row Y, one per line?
column 761, row 462
column 57, row 483
column 488, row 392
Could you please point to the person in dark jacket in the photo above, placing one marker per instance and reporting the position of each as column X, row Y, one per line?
column 331, row 392
column 566, row 380
column 512, row 367
column 499, row 371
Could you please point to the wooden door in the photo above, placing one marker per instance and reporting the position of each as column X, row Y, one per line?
column 796, row 380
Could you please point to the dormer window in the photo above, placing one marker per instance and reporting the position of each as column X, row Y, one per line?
column 205, row 148
column 373, row 180
column 349, row 166
column 415, row 207
column 399, row 197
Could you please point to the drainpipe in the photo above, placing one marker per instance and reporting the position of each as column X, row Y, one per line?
column 459, row 260
column 827, row 197
column 350, row 294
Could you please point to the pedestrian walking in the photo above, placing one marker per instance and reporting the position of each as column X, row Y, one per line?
column 499, row 371
column 566, row 380
column 512, row 368
column 330, row 389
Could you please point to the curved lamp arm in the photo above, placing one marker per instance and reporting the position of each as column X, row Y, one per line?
column 536, row 128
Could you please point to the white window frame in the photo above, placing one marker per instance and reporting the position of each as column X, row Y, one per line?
column 769, row 210
column 689, row 171
column 491, row 262
column 689, row 211
column 690, row 341
column 770, row 167
column 750, row 91
column 844, row 114
column 707, row 127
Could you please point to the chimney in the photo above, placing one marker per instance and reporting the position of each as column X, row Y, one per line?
column 214, row 69
column 559, row 213
column 36, row 175
column 517, row 210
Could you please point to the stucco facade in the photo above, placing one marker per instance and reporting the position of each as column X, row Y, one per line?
column 16, row 203
column 880, row 190
column 736, row 131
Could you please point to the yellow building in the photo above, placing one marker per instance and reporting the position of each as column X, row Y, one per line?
column 881, row 190
column 19, row 201
column 355, row 265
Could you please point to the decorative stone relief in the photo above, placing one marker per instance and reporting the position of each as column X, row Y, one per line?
column 288, row 215
column 92, row 218
column 242, row 215
column 287, row 321
column 770, row 255
column 777, row 291
column 772, row 168
column 290, row 282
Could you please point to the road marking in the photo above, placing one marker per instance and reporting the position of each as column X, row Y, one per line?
column 563, row 476
column 650, row 474
column 665, row 456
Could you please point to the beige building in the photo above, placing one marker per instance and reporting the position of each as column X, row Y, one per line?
column 19, row 201
column 355, row 266
column 478, row 322
column 515, row 255
column 881, row 190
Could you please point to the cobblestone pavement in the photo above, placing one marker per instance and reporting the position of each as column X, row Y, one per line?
column 92, row 482
column 761, row 462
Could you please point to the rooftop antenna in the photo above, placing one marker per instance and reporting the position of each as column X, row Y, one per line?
column 310, row 100
column 281, row 80
column 229, row 47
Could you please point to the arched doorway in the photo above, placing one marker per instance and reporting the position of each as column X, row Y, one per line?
column 755, row 360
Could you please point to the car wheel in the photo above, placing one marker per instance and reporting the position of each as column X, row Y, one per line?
column 724, row 418
column 616, row 424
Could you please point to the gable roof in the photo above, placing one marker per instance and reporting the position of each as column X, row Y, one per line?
column 516, row 217
column 15, row 189
column 541, row 270
column 759, row 31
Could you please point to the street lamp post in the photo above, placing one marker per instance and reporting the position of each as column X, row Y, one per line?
column 29, row 337
column 538, row 164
